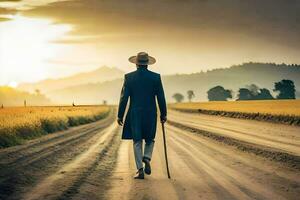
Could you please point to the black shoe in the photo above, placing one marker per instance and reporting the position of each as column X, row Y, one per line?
column 139, row 174
column 147, row 166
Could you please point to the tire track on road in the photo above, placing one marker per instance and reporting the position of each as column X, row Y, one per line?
column 37, row 146
column 19, row 176
column 279, row 136
column 263, row 151
column 214, row 148
column 235, row 178
column 66, row 181
column 202, row 168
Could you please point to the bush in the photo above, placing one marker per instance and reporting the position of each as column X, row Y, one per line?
column 53, row 125
column 8, row 139
column 28, row 132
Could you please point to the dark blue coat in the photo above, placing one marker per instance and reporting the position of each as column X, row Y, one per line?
column 142, row 87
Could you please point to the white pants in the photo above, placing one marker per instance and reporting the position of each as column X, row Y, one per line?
column 138, row 152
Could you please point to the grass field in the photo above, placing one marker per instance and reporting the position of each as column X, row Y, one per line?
column 272, row 107
column 21, row 123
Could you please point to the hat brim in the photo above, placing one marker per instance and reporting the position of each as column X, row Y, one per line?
column 133, row 59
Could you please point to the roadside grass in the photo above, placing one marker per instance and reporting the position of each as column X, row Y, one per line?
column 18, row 124
column 278, row 111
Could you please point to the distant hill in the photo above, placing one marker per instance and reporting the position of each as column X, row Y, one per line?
column 89, row 93
column 99, row 75
column 261, row 74
column 12, row 97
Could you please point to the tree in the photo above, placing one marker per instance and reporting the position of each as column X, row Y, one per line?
column 286, row 89
column 264, row 94
column 253, row 92
column 218, row 93
column 178, row 97
column 190, row 94
column 254, row 89
column 244, row 94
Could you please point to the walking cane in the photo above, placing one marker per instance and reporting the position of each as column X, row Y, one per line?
column 165, row 148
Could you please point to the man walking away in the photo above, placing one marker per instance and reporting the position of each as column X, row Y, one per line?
column 142, row 86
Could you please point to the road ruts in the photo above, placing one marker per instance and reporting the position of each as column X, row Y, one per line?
column 101, row 166
column 203, row 168
column 25, row 167
column 279, row 137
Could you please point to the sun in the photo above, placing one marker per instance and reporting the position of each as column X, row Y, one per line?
column 25, row 44
column 13, row 84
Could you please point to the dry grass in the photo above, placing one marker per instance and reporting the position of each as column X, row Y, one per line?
column 272, row 107
column 19, row 123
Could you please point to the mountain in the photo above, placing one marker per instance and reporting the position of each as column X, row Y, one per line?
column 94, row 93
column 101, row 74
column 262, row 74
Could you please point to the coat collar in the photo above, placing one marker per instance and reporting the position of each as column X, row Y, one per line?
column 142, row 68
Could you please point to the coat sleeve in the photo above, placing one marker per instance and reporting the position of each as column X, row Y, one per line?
column 161, row 99
column 123, row 99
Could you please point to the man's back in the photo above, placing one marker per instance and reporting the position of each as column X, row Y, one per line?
column 143, row 86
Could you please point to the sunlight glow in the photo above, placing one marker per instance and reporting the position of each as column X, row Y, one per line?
column 26, row 4
column 13, row 84
column 25, row 43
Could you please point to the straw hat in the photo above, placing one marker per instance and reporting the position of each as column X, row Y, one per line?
column 142, row 58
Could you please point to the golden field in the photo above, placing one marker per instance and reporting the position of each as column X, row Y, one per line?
column 19, row 123
column 272, row 107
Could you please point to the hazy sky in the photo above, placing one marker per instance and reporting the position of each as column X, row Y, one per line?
column 48, row 38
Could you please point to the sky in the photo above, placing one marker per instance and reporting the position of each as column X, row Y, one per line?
column 42, row 39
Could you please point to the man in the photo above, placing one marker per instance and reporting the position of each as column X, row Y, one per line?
column 142, row 87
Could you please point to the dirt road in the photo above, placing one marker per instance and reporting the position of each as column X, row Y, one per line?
column 60, row 165
column 202, row 168
column 91, row 162
column 280, row 137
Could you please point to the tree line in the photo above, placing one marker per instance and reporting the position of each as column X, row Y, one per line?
column 285, row 89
